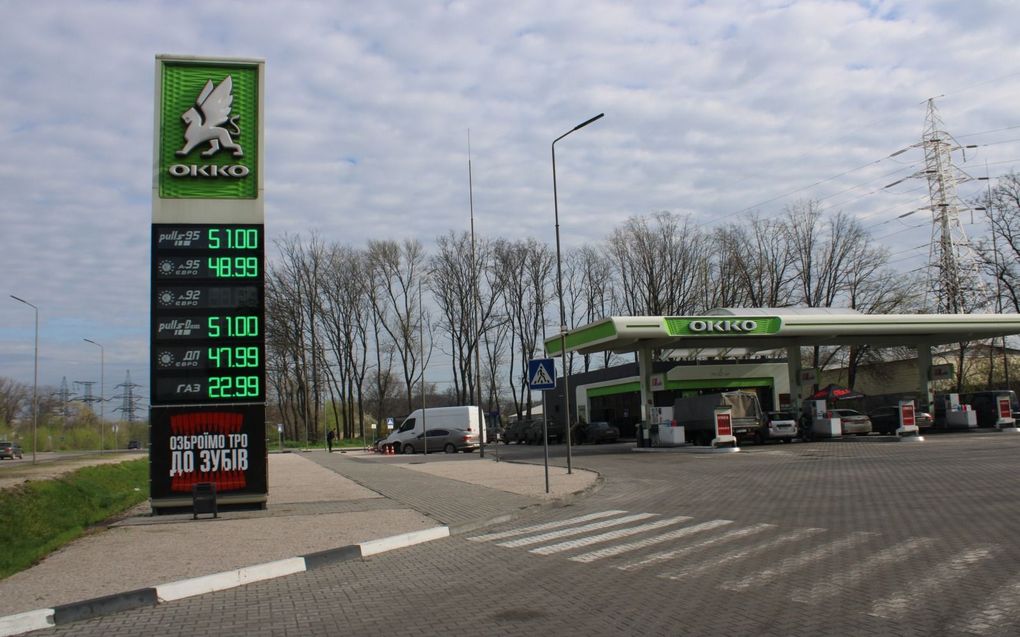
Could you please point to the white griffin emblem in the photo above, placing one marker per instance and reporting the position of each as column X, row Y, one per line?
column 214, row 103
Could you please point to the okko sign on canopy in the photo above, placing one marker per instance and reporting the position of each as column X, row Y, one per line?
column 207, row 334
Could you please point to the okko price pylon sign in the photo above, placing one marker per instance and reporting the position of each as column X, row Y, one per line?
column 207, row 374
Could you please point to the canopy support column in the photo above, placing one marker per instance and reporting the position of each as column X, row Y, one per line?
column 924, row 377
column 645, row 374
column 793, row 369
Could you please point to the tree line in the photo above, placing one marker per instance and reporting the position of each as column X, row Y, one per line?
column 351, row 329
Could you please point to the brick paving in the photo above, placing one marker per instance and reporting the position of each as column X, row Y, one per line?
column 450, row 502
column 940, row 515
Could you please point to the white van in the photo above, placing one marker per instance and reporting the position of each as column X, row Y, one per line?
column 468, row 418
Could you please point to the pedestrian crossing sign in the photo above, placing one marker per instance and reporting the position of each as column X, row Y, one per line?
column 541, row 374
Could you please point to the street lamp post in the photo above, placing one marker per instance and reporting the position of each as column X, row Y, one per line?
column 559, row 291
column 35, row 381
column 102, row 392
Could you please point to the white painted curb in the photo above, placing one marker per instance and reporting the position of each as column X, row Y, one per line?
column 44, row 617
column 400, row 541
column 26, row 622
column 229, row 579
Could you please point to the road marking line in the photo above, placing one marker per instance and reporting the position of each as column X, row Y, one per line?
column 553, row 535
column 836, row 583
column 737, row 555
column 610, row 535
column 715, row 541
column 795, row 562
column 937, row 581
column 640, row 544
column 543, row 527
column 994, row 615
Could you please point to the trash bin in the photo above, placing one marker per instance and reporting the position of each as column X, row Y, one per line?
column 203, row 499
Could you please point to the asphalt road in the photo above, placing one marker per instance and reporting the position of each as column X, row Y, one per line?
column 862, row 536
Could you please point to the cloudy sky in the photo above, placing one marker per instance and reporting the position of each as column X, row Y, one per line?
column 711, row 109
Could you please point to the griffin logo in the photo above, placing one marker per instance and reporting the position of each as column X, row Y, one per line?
column 206, row 120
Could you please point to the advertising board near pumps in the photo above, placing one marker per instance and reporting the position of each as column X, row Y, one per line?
column 207, row 333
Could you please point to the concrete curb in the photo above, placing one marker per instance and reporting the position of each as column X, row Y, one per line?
column 172, row 591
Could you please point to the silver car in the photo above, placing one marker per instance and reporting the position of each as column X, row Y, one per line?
column 442, row 439
column 853, row 422
column 781, row 425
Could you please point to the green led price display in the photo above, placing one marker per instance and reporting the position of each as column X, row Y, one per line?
column 177, row 237
column 233, row 238
column 232, row 326
column 208, row 307
column 217, row 267
column 234, row 387
column 234, row 267
column 233, row 356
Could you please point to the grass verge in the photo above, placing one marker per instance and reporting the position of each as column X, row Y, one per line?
column 40, row 516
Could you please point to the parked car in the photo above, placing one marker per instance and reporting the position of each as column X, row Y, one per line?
column 441, row 439
column 886, row 420
column 516, row 431
column 533, row 432
column 10, row 450
column 134, row 444
column 596, row 432
column 852, row 422
column 780, row 425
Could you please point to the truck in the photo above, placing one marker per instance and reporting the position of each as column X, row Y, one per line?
column 697, row 415
column 468, row 418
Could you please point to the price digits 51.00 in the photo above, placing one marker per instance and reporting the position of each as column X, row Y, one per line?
column 233, row 238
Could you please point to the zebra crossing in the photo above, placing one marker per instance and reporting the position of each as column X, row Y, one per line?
column 679, row 547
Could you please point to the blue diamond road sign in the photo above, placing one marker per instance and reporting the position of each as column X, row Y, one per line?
column 541, row 374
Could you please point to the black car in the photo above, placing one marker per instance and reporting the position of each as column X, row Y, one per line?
column 516, row 432
column 886, row 420
column 596, row 432
column 134, row 444
column 533, row 433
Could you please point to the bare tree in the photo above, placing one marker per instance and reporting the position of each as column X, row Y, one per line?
column 524, row 270
column 345, row 315
column 655, row 260
column 759, row 260
column 398, row 270
column 453, row 286
column 14, row 397
column 590, row 292
column 1002, row 253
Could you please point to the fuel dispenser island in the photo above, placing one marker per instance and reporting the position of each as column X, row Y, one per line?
column 821, row 423
column 724, row 438
column 1004, row 411
column 908, row 430
column 959, row 416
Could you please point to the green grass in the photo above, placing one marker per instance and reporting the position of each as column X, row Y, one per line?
column 38, row 517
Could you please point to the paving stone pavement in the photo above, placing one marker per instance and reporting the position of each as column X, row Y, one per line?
column 317, row 502
column 856, row 538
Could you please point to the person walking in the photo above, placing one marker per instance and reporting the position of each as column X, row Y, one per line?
column 330, row 437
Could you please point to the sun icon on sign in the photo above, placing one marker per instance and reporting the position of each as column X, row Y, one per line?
column 166, row 359
column 166, row 267
column 166, row 297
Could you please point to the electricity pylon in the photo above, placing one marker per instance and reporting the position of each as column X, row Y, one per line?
column 954, row 273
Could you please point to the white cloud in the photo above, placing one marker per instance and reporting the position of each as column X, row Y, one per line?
column 711, row 108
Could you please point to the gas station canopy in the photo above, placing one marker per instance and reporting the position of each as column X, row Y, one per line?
column 761, row 329
column 774, row 328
